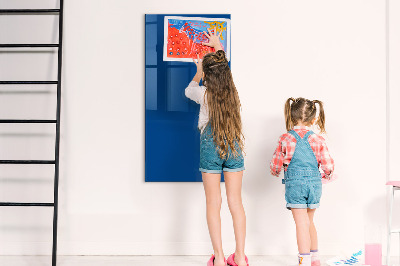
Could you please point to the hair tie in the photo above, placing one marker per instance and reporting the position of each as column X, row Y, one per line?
column 219, row 64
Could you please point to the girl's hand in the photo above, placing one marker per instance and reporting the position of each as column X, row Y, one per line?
column 199, row 65
column 213, row 39
column 199, row 73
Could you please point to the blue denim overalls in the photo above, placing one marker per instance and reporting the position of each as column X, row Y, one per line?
column 302, row 181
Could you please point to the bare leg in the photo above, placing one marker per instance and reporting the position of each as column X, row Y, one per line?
column 313, row 230
column 211, row 183
column 302, row 221
column 233, row 184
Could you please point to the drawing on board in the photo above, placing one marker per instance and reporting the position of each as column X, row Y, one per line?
column 183, row 37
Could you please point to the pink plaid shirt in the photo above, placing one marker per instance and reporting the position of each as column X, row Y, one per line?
column 287, row 144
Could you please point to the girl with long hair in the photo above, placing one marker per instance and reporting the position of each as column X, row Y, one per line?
column 221, row 146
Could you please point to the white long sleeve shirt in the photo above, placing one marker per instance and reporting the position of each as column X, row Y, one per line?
column 196, row 93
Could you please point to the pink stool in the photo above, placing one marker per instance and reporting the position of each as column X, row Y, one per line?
column 394, row 185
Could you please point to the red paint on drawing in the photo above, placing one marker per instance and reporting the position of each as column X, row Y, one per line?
column 181, row 46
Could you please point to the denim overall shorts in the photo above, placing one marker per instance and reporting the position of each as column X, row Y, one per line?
column 303, row 186
column 210, row 160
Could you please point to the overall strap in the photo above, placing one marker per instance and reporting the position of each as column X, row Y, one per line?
column 294, row 133
column 308, row 134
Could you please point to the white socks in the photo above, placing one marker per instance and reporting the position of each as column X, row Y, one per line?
column 315, row 258
column 314, row 255
column 311, row 259
column 304, row 260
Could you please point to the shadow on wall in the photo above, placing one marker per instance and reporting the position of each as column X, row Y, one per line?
column 376, row 221
column 375, row 213
column 263, row 193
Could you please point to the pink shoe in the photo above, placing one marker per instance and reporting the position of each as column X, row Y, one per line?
column 316, row 263
column 231, row 260
column 211, row 261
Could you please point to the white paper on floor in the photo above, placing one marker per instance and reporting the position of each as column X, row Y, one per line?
column 350, row 258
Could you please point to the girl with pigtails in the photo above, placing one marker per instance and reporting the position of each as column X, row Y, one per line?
column 302, row 154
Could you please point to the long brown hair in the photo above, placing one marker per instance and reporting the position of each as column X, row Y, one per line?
column 303, row 110
column 223, row 104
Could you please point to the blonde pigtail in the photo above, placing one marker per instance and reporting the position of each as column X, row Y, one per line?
column 321, row 116
column 288, row 114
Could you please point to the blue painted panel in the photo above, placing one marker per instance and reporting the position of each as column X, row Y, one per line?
column 172, row 138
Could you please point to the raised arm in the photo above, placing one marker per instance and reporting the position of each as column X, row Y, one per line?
column 195, row 92
column 199, row 66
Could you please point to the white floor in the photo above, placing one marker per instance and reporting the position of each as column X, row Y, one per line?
column 142, row 260
column 135, row 260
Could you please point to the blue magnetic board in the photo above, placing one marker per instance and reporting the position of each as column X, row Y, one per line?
column 172, row 138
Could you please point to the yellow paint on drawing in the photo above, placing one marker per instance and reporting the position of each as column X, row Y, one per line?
column 216, row 25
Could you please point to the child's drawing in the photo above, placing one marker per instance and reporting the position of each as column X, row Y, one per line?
column 183, row 37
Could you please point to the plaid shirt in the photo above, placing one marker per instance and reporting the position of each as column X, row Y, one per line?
column 287, row 144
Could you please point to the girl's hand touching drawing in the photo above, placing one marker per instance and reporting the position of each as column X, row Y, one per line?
column 213, row 39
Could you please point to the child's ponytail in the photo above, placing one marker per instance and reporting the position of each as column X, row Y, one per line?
column 288, row 114
column 321, row 116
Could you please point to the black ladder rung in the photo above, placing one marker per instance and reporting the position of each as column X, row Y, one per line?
column 6, row 11
column 27, row 121
column 33, row 45
column 27, row 161
column 30, row 82
column 28, row 204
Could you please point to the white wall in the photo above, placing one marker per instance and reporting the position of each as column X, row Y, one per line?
column 333, row 51
column 394, row 109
